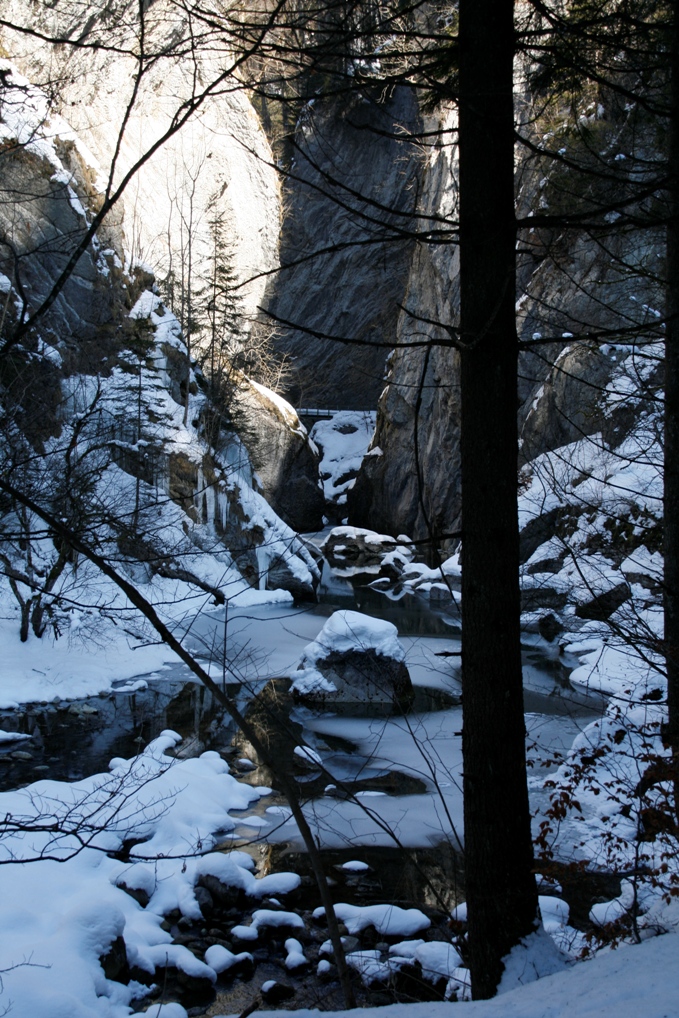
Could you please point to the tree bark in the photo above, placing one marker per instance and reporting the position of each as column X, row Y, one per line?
column 671, row 455
column 500, row 886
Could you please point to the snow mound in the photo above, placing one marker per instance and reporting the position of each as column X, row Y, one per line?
column 389, row 920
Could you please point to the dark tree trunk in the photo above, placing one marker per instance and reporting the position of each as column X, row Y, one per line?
column 671, row 465
column 500, row 886
column 25, row 620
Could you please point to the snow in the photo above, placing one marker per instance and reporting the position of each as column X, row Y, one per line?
column 308, row 755
column 220, row 959
column 355, row 866
column 95, row 616
column 162, row 1011
column 61, row 912
column 285, row 409
column 369, row 966
column 351, row 630
column 419, row 577
column 345, row 631
column 389, row 920
column 245, row 933
column 343, row 441
column 264, row 917
column 628, row 983
column 296, row 958
column 534, row 958
column 13, row 737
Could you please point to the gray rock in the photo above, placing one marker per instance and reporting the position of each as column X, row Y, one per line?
column 277, row 993
column 361, row 554
column 139, row 895
column 353, row 287
column 354, row 659
column 281, row 577
column 204, row 898
column 281, row 455
column 225, row 895
column 363, row 676
column 549, row 627
column 604, row 605
column 115, row 963
column 534, row 598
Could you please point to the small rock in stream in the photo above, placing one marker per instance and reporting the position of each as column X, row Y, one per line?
column 276, row 993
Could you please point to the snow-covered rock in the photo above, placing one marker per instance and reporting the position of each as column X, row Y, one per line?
column 283, row 458
column 363, row 554
column 354, row 659
column 343, row 442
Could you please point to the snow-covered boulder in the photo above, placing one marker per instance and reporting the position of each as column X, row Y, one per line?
column 364, row 554
column 355, row 659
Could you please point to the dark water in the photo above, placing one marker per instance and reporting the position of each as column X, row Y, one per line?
column 74, row 739
column 412, row 614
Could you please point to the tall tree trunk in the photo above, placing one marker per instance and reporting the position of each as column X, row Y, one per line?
column 500, row 886
column 671, row 465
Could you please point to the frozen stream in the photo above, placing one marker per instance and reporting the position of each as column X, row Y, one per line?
column 408, row 768
column 424, row 745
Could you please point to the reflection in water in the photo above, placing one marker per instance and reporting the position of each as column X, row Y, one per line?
column 405, row 877
column 71, row 741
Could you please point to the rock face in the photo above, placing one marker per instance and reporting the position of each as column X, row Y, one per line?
column 351, row 190
column 355, row 659
column 569, row 289
column 409, row 481
column 217, row 169
column 107, row 370
column 284, row 460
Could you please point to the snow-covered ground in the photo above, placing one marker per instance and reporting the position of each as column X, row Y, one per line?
column 61, row 912
column 61, row 906
column 632, row 982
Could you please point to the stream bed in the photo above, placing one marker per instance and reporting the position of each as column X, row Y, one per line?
column 403, row 772
column 411, row 763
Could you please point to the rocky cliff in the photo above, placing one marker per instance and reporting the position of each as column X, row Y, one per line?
column 216, row 169
column 409, row 481
column 582, row 299
column 346, row 245
column 106, row 419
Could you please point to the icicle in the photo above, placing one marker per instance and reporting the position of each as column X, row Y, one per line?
column 262, row 565
column 210, row 505
column 223, row 507
column 198, row 499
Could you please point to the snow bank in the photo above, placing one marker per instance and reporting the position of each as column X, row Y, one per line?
column 62, row 902
column 627, row 983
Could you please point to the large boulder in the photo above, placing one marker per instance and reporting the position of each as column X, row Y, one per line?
column 285, row 461
column 355, row 659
